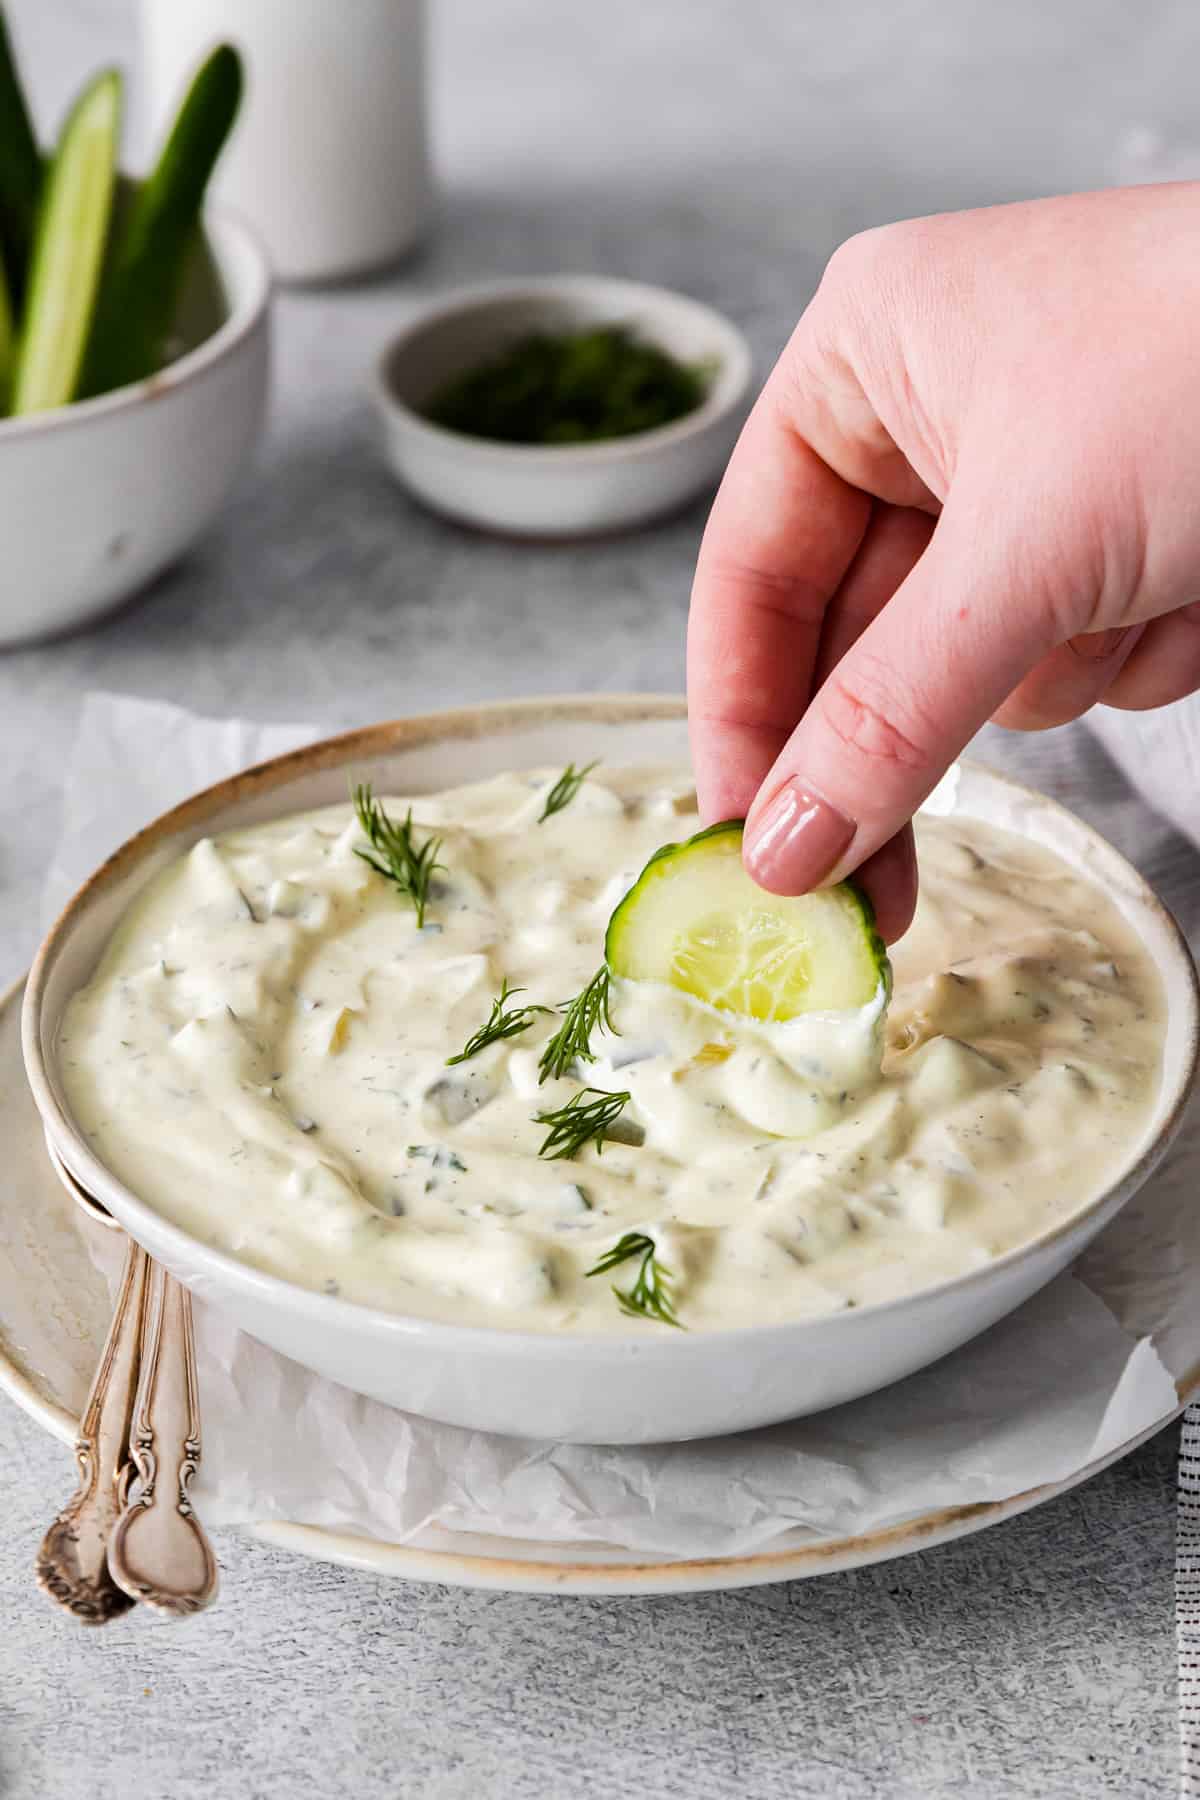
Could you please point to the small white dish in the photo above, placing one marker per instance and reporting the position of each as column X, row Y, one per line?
column 641, row 1386
column 98, row 498
column 576, row 490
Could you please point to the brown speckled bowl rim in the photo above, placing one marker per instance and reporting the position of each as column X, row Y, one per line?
column 485, row 719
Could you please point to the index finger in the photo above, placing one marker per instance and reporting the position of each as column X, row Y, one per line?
column 784, row 529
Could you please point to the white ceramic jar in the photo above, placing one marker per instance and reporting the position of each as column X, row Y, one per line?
column 330, row 160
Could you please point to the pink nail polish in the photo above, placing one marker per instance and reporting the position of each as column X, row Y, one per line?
column 797, row 839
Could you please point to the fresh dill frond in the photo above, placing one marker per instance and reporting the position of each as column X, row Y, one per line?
column 580, row 1121
column 572, row 1041
column 650, row 1295
column 566, row 788
column 499, row 1024
column 395, row 853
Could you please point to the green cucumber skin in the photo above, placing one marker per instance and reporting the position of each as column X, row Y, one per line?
column 45, row 307
column 141, row 289
column 8, row 347
column 735, row 827
column 20, row 172
column 878, row 949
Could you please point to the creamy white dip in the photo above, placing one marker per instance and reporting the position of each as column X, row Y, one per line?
column 261, row 1055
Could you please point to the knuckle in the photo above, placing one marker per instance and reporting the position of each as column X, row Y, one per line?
column 1101, row 646
column 1079, row 568
column 862, row 256
column 873, row 272
column 852, row 300
column 793, row 598
column 746, row 716
column 866, row 717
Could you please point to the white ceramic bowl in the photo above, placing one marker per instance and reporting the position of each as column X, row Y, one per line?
column 98, row 498
column 643, row 1386
column 575, row 490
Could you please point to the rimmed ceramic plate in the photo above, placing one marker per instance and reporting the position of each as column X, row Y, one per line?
column 54, row 1311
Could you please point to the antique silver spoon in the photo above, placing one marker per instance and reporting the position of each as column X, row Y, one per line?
column 131, row 1533
column 72, row 1563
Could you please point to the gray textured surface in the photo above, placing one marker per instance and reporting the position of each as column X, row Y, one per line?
column 1035, row 1660
column 723, row 148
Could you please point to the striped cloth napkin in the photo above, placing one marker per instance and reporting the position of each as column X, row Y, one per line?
column 1187, row 1602
column 1159, row 754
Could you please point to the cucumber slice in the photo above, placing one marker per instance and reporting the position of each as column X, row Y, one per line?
column 695, row 920
column 20, row 171
column 140, row 293
column 69, row 249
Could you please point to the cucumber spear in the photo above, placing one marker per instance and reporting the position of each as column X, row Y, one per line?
column 140, row 293
column 7, row 344
column 20, row 172
column 72, row 227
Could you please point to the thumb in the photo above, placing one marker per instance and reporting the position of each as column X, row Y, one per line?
column 946, row 650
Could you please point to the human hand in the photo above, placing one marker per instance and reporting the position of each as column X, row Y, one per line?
column 1025, row 379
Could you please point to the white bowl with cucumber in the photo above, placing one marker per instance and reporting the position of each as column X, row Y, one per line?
column 133, row 349
column 639, row 1378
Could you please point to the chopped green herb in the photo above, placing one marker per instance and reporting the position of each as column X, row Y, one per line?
column 572, row 1041
column 650, row 1295
column 565, row 789
column 439, row 1156
column 394, row 853
column 580, row 1121
column 570, row 388
column 499, row 1024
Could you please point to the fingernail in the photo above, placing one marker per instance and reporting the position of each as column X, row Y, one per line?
column 797, row 840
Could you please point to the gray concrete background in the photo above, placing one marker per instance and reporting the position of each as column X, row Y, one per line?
column 723, row 148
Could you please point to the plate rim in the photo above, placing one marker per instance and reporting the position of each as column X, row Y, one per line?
column 637, row 1575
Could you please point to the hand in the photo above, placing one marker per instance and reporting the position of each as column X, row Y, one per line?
column 970, row 489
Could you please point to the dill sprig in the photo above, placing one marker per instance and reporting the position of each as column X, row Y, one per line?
column 566, row 788
column 572, row 1041
column 394, row 852
column 650, row 1295
column 580, row 1121
column 499, row 1024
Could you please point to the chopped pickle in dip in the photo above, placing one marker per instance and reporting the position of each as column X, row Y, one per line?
column 272, row 1053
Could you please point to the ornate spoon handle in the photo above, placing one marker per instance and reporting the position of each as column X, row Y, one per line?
column 71, row 1564
column 159, row 1552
